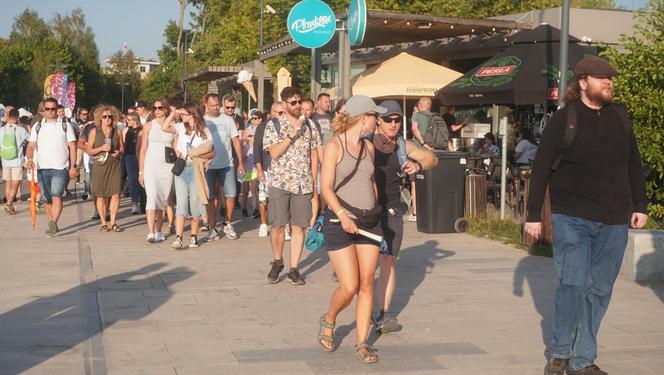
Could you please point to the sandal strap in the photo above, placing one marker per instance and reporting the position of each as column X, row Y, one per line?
column 325, row 324
column 362, row 355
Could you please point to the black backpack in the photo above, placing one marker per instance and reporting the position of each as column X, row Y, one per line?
column 571, row 128
column 436, row 134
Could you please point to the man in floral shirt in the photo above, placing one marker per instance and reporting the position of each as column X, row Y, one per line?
column 292, row 146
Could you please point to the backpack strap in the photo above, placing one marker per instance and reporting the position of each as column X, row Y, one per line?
column 570, row 133
column 402, row 151
column 277, row 125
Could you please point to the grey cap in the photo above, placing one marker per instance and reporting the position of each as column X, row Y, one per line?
column 393, row 108
column 360, row 104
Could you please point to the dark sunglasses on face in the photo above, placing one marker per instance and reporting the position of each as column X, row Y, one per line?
column 50, row 108
column 107, row 117
column 84, row 114
column 295, row 102
column 255, row 118
column 280, row 113
column 158, row 108
column 229, row 107
column 389, row 120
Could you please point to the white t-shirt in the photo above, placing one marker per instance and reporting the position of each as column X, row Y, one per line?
column 528, row 151
column 187, row 142
column 52, row 145
column 222, row 129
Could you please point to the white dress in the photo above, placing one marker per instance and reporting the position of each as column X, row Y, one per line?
column 156, row 172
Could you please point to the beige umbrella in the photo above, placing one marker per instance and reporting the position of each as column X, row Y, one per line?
column 404, row 76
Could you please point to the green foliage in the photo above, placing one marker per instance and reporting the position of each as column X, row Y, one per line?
column 640, row 87
column 505, row 231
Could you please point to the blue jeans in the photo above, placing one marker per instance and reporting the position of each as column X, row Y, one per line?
column 131, row 166
column 587, row 256
column 188, row 203
column 226, row 177
column 52, row 183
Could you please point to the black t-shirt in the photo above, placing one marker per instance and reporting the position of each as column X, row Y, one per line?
column 130, row 141
column 450, row 120
column 386, row 172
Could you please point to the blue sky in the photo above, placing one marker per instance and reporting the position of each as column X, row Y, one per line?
column 139, row 23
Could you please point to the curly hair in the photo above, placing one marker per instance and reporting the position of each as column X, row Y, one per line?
column 342, row 122
column 99, row 111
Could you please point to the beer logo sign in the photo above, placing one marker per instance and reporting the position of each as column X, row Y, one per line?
column 492, row 74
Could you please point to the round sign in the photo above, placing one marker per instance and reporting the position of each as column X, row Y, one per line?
column 357, row 21
column 311, row 23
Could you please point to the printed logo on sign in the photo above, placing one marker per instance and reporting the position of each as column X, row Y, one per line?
column 304, row 26
column 495, row 71
column 420, row 90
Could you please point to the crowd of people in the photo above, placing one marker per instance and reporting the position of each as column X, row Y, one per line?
column 302, row 164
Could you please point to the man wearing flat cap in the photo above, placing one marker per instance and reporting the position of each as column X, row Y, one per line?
column 589, row 159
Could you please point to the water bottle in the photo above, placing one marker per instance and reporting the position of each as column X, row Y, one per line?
column 262, row 192
column 240, row 176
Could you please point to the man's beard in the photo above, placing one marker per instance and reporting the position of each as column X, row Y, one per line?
column 295, row 112
column 599, row 96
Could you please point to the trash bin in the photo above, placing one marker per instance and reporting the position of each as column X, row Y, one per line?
column 440, row 195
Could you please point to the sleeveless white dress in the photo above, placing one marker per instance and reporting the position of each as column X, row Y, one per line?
column 156, row 172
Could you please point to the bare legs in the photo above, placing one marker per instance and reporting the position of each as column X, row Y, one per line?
column 355, row 267
column 155, row 220
column 387, row 280
column 113, row 206
column 277, row 239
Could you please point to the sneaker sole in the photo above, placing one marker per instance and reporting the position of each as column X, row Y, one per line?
column 296, row 282
column 273, row 281
column 151, row 240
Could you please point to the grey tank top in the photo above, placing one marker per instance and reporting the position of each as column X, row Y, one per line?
column 358, row 192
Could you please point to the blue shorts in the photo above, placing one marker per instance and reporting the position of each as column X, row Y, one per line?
column 52, row 183
column 226, row 176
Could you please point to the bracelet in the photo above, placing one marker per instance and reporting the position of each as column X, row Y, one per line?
column 340, row 212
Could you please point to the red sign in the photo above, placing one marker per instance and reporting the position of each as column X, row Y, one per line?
column 553, row 93
column 492, row 71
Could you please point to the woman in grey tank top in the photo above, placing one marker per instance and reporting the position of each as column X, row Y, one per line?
column 353, row 257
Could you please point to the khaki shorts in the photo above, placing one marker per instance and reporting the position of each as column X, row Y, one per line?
column 12, row 173
column 284, row 207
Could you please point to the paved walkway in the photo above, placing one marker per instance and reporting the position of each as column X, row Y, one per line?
column 109, row 303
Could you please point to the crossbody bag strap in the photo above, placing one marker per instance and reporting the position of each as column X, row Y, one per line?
column 352, row 173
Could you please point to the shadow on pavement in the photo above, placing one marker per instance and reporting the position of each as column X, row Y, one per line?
column 540, row 275
column 48, row 326
column 315, row 261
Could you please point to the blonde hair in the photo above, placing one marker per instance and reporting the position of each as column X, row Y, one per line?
column 99, row 111
column 342, row 122
column 134, row 116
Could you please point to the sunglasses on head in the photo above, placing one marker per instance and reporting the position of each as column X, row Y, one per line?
column 107, row 117
column 158, row 108
column 50, row 108
column 295, row 102
column 389, row 120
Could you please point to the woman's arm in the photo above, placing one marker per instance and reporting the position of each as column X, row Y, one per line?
column 91, row 141
column 168, row 124
column 141, row 152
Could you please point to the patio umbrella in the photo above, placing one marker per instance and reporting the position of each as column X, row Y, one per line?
column 524, row 74
column 403, row 76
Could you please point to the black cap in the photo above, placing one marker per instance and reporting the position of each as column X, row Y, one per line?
column 141, row 103
column 594, row 66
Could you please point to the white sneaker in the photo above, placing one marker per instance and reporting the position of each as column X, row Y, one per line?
column 230, row 231
column 177, row 244
column 410, row 218
column 135, row 209
column 287, row 232
column 159, row 237
column 151, row 238
column 262, row 230
column 193, row 242
column 212, row 235
column 205, row 228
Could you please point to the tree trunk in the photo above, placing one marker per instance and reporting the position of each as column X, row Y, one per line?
column 183, row 6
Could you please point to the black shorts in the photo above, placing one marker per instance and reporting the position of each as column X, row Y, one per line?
column 336, row 238
column 392, row 227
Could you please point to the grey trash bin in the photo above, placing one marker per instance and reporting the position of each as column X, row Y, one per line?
column 440, row 195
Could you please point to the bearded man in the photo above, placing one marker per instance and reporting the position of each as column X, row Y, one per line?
column 591, row 164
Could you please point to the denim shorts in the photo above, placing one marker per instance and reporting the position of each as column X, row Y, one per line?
column 188, row 203
column 226, row 176
column 52, row 183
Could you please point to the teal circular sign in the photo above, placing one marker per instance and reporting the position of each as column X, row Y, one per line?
column 311, row 23
column 357, row 21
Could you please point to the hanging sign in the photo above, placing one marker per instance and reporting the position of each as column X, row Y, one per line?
column 357, row 21
column 311, row 23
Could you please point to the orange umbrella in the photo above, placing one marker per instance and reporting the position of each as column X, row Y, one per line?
column 34, row 190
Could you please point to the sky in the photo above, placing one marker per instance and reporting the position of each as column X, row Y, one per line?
column 139, row 23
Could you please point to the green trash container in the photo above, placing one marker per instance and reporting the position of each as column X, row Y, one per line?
column 440, row 195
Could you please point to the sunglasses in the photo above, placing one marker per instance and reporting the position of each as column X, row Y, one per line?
column 105, row 117
column 229, row 107
column 158, row 108
column 295, row 102
column 280, row 113
column 389, row 120
column 84, row 114
column 50, row 108
column 255, row 118
column 186, row 114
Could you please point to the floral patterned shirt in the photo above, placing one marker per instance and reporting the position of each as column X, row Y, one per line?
column 292, row 170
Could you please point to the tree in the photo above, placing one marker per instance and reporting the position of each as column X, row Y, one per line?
column 122, row 70
column 640, row 87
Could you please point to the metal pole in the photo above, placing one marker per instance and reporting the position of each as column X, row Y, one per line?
column 122, row 100
column 260, row 42
column 315, row 72
column 184, row 78
column 344, row 61
column 564, row 46
column 503, row 157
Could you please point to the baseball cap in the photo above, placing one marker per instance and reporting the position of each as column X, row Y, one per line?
column 594, row 66
column 360, row 104
column 393, row 108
